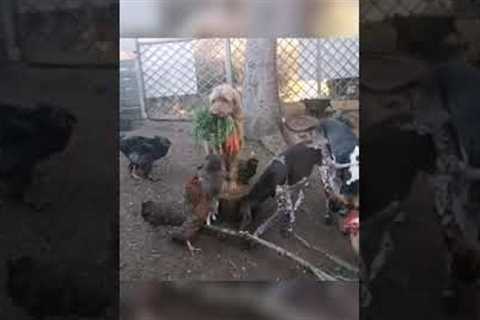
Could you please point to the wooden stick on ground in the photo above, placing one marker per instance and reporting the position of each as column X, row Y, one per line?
column 333, row 258
column 267, row 224
column 321, row 275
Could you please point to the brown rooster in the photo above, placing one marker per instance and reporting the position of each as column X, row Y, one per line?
column 351, row 226
column 196, row 202
column 201, row 199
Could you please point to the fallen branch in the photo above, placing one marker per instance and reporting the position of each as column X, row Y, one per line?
column 321, row 275
column 267, row 224
column 337, row 260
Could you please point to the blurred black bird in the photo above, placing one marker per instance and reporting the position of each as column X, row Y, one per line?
column 142, row 152
column 44, row 289
column 247, row 169
column 28, row 136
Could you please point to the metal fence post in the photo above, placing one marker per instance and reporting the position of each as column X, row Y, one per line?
column 8, row 10
column 318, row 68
column 228, row 61
column 140, row 80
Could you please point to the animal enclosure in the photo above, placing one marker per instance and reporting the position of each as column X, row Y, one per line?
column 177, row 75
column 174, row 77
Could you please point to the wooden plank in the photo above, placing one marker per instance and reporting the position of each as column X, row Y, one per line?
column 345, row 105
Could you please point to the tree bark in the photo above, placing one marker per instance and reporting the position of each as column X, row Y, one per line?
column 260, row 94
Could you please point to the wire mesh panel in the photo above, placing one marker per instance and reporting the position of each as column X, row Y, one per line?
column 318, row 68
column 168, row 69
column 179, row 74
column 339, row 67
column 238, row 47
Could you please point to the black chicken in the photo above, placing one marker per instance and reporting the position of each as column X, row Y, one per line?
column 142, row 152
column 247, row 169
column 27, row 136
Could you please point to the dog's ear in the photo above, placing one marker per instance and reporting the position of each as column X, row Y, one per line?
column 213, row 94
column 237, row 101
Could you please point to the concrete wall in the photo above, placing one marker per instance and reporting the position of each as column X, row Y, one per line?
column 131, row 104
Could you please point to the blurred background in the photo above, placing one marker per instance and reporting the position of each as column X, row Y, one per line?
column 402, row 43
column 59, row 32
column 299, row 300
column 62, row 53
column 226, row 18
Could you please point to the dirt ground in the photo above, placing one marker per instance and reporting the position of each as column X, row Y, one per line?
column 148, row 253
column 80, row 184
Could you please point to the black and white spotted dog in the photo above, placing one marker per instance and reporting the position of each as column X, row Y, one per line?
column 288, row 172
column 339, row 170
column 334, row 149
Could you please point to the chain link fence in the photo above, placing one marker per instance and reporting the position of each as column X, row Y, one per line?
column 64, row 31
column 178, row 74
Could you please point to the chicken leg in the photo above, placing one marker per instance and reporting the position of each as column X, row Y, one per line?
column 191, row 248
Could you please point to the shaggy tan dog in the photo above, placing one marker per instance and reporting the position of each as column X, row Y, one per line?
column 225, row 101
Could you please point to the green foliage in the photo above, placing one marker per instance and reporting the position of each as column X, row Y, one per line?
column 213, row 130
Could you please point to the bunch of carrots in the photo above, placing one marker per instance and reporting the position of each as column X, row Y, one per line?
column 219, row 133
column 232, row 145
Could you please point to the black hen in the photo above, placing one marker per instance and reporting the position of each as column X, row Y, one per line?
column 27, row 136
column 45, row 289
column 142, row 152
column 246, row 170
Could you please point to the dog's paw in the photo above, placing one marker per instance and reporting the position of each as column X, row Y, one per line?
column 214, row 215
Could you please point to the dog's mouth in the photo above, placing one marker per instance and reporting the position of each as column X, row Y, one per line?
column 219, row 114
column 221, row 109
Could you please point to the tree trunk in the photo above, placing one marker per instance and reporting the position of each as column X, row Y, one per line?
column 260, row 93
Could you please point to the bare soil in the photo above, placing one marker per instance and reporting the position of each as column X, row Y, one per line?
column 148, row 253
